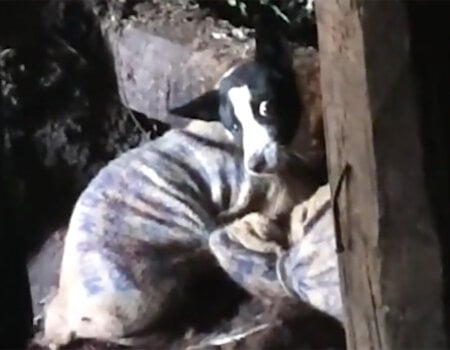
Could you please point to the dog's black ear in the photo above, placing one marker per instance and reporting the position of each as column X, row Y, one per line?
column 204, row 107
column 272, row 48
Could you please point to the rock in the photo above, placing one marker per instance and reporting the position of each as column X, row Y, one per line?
column 144, row 65
column 155, row 73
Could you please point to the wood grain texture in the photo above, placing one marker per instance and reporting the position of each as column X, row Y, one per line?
column 390, row 265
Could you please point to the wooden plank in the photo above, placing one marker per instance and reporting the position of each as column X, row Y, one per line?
column 390, row 265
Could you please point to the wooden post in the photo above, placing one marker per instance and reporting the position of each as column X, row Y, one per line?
column 390, row 264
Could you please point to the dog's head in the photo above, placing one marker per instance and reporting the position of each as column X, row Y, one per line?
column 257, row 101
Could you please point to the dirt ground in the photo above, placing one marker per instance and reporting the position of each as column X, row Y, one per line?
column 64, row 121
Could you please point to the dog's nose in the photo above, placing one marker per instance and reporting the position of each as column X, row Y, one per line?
column 257, row 164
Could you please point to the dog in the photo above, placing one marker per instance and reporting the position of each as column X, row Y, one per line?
column 143, row 219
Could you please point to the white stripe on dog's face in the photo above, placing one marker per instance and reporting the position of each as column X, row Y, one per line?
column 256, row 138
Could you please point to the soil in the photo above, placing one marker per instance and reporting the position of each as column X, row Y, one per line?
column 64, row 120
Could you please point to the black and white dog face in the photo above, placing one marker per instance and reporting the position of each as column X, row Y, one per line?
column 257, row 102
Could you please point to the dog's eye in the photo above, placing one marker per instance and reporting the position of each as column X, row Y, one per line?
column 264, row 108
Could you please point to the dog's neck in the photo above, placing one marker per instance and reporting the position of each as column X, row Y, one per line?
column 273, row 194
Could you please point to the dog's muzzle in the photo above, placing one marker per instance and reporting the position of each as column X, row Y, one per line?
column 267, row 161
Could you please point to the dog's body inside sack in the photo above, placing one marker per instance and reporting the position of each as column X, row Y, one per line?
column 142, row 219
